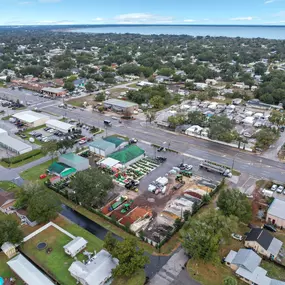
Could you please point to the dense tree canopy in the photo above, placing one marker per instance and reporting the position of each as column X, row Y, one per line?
column 10, row 230
column 233, row 202
column 91, row 186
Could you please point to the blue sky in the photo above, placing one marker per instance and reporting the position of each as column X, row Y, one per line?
column 239, row 12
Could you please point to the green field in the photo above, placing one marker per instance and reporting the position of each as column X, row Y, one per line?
column 9, row 186
column 57, row 262
column 34, row 173
column 137, row 279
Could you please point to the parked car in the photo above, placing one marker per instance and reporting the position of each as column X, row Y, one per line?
column 274, row 187
column 269, row 227
column 237, row 237
column 280, row 189
column 133, row 140
column 161, row 149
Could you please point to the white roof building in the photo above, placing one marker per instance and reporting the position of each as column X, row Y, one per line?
column 31, row 118
column 75, row 246
column 60, row 126
column 96, row 271
column 28, row 272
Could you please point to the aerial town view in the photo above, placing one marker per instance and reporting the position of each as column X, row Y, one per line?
column 142, row 142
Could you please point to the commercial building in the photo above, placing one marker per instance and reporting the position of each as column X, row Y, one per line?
column 75, row 246
column 102, row 147
column 13, row 144
column 262, row 242
column 28, row 272
column 53, row 92
column 96, row 271
column 60, row 126
column 128, row 155
column 61, row 169
column 276, row 213
column 74, row 161
column 30, row 118
column 121, row 105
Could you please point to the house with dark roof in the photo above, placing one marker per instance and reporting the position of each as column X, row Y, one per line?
column 7, row 200
column 245, row 263
column 261, row 241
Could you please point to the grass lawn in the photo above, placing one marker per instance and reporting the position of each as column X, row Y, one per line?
column 9, row 186
column 133, row 85
column 6, row 118
column 57, row 262
column 273, row 271
column 5, row 271
column 137, row 279
column 34, row 173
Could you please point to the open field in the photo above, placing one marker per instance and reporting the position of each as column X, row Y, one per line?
column 273, row 270
column 34, row 173
column 5, row 271
column 57, row 262
column 9, row 186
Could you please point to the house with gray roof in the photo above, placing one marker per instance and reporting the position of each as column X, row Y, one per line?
column 263, row 243
column 246, row 263
column 276, row 214
column 96, row 271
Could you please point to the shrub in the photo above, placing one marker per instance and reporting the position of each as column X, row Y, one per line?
column 21, row 157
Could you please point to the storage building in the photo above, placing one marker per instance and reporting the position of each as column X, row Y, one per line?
column 53, row 92
column 75, row 161
column 102, row 147
column 61, row 169
column 75, row 246
column 121, row 105
column 128, row 155
column 28, row 272
column 13, row 144
column 31, row 118
column 60, row 126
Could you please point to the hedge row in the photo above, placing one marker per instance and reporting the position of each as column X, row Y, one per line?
column 21, row 157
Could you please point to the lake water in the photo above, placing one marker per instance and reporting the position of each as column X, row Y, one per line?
column 268, row 32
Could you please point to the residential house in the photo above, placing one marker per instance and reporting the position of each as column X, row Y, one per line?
column 200, row 86
column 161, row 78
column 96, row 271
column 246, row 263
column 23, row 215
column 261, row 241
column 7, row 200
column 75, row 246
column 211, row 81
column 276, row 213
column 79, row 82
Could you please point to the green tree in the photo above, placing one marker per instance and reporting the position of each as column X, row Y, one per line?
column 130, row 257
column 233, row 202
column 166, row 71
column 206, row 199
column 202, row 236
column 100, row 97
column 8, row 79
column 196, row 118
column 64, row 145
column 69, row 86
column 277, row 118
column 50, row 148
column 91, row 186
column 10, row 230
column 156, row 102
column 43, row 206
column 221, row 128
column 265, row 137
column 229, row 280
column 109, row 242
column 89, row 86
column 176, row 120
column 71, row 78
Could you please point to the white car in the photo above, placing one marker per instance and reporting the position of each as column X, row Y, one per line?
column 51, row 131
column 274, row 187
column 236, row 236
column 280, row 189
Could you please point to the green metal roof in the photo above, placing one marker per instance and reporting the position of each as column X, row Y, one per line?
column 115, row 140
column 101, row 144
column 127, row 154
column 73, row 157
column 61, row 169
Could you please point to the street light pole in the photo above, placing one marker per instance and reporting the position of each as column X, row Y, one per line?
column 234, row 158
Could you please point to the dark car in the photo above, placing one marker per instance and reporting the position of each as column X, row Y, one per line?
column 269, row 227
column 160, row 149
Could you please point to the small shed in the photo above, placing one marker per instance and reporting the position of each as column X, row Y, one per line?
column 75, row 161
column 9, row 249
column 61, row 169
column 75, row 246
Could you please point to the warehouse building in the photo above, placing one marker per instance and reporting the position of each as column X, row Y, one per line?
column 74, row 161
column 32, row 119
column 60, row 126
column 53, row 92
column 13, row 144
column 121, row 105
column 128, row 155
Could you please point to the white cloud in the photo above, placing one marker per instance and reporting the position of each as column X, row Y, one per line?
column 242, row 19
column 142, row 18
column 269, row 1
column 280, row 14
column 98, row 19
column 49, row 1
column 189, row 21
column 51, row 22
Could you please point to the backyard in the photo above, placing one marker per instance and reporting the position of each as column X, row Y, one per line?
column 273, row 270
column 9, row 186
column 137, row 279
column 57, row 262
